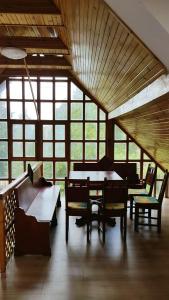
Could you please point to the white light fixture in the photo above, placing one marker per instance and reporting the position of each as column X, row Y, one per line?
column 17, row 53
column 13, row 53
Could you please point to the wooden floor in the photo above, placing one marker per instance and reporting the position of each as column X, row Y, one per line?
column 95, row 272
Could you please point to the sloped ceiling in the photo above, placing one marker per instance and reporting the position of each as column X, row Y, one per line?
column 111, row 62
column 149, row 126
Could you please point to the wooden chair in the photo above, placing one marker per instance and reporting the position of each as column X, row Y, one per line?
column 115, row 197
column 77, row 202
column 150, row 203
column 146, row 188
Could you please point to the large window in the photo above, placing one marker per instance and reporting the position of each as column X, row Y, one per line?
column 126, row 150
column 71, row 127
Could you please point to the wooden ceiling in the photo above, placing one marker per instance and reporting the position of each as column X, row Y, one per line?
column 149, row 126
column 104, row 55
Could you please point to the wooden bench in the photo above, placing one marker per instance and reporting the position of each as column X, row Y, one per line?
column 34, row 214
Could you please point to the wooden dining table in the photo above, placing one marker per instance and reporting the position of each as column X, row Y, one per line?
column 95, row 176
column 96, row 183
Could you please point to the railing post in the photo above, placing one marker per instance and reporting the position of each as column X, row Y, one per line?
column 2, row 238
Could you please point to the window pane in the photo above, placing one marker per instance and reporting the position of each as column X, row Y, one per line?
column 17, row 132
column 102, row 133
column 30, row 149
column 3, row 169
column 61, row 111
column 48, row 170
column 59, row 132
column 90, row 111
column 17, row 168
column 30, row 111
column 91, row 151
column 28, row 93
column 102, row 150
column 160, row 173
column 47, row 111
column 48, row 149
column 87, row 98
column 15, row 89
column 48, row 132
column 76, row 150
column 134, row 151
column 120, row 151
column 16, row 110
column 30, row 132
column 17, row 149
column 77, row 111
column 61, row 169
column 76, row 131
column 119, row 134
column 46, row 90
column 3, row 109
column 146, row 157
column 3, row 150
column 3, row 90
column 61, row 90
column 90, row 131
column 76, row 93
column 102, row 115
column 3, row 130
column 60, row 150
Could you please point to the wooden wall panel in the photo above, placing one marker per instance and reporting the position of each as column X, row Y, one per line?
column 149, row 126
column 106, row 56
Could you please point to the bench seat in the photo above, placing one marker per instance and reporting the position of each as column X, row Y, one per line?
column 44, row 204
column 35, row 213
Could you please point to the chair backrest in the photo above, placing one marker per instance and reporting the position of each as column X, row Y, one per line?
column 150, row 179
column 115, row 192
column 163, row 187
column 76, row 190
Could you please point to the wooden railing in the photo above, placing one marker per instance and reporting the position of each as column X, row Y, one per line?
column 7, row 229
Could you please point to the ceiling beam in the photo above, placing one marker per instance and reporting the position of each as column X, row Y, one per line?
column 34, row 72
column 28, row 7
column 32, row 42
column 36, row 61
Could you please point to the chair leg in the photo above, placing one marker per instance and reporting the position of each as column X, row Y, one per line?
column 136, row 218
column 159, row 219
column 121, row 224
column 104, row 230
column 149, row 216
column 125, row 227
column 131, row 208
column 88, row 231
column 67, row 227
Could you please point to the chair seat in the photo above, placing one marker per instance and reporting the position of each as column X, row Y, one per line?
column 115, row 206
column 137, row 192
column 145, row 200
column 77, row 205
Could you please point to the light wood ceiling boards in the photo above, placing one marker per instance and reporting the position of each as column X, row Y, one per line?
column 149, row 126
column 36, row 62
column 107, row 57
column 34, row 26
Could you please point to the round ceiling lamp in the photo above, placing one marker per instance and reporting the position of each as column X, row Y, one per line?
column 13, row 53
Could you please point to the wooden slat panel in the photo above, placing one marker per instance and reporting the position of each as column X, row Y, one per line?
column 149, row 126
column 107, row 57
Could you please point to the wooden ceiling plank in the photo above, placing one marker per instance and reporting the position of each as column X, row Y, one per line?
column 29, row 7
column 35, row 42
column 121, row 52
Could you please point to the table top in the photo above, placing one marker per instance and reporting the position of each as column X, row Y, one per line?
column 95, row 176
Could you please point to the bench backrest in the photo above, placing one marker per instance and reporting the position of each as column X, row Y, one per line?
column 25, row 193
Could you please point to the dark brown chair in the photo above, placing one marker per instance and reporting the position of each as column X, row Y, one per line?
column 77, row 202
column 145, row 190
column 115, row 197
column 149, row 203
